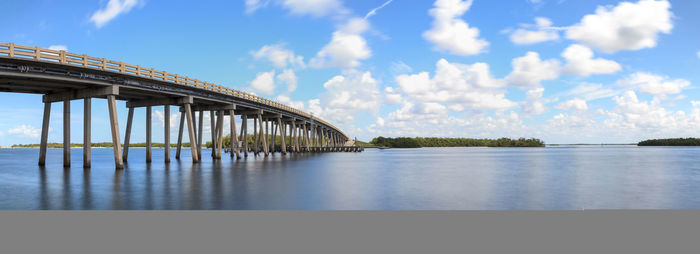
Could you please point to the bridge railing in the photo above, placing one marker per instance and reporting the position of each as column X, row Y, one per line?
column 62, row 57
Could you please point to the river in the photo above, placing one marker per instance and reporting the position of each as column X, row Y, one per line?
column 550, row 178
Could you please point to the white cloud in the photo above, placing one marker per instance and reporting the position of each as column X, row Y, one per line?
column 349, row 94
column 653, row 84
column 698, row 54
column 399, row 67
column 253, row 5
column 279, row 56
column 450, row 33
column 264, row 82
column 541, row 31
column 289, row 78
column 315, row 8
column 580, row 61
column 461, row 86
column 346, row 48
column 284, row 99
column 111, row 11
column 25, row 131
column 392, row 96
column 530, row 70
column 573, row 104
column 589, row 91
column 627, row 26
column 374, row 11
column 58, row 47
column 533, row 102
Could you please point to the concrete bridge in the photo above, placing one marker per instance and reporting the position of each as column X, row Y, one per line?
column 62, row 76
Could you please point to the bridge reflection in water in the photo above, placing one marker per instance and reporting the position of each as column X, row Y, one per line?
column 62, row 76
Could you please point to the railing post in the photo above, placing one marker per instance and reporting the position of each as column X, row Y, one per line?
column 11, row 48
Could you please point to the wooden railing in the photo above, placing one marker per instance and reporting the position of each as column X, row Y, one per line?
column 62, row 57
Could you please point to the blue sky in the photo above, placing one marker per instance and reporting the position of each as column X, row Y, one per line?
column 565, row 71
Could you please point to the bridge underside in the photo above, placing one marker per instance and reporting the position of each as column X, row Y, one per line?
column 273, row 130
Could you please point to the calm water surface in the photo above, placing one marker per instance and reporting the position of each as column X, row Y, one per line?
column 583, row 177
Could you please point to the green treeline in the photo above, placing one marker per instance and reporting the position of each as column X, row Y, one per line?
column 406, row 142
column 671, row 142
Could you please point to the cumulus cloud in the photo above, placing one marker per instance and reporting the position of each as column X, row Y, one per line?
column 26, row 131
column 573, row 104
column 315, row 8
column 452, row 34
column 530, row 70
column 346, row 48
column 533, row 102
column 253, row 5
column 653, row 84
column 285, row 99
column 58, row 47
column 580, row 61
column 289, row 78
column 348, row 94
column 279, row 56
column 589, row 91
column 264, row 82
column 461, row 86
column 541, row 31
column 113, row 9
column 627, row 26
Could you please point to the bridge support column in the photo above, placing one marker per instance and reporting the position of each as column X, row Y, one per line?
column 127, row 135
column 244, row 129
column 267, row 136
column 166, row 133
column 148, row 134
column 282, row 141
column 179, row 135
column 294, row 136
column 273, row 139
column 214, row 132
column 114, row 124
column 66, row 133
column 234, row 136
column 193, row 139
column 87, row 145
column 199, row 134
column 256, row 137
column 44, row 133
column 263, row 136
column 220, row 135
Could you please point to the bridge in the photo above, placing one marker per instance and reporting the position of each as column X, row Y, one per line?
column 62, row 76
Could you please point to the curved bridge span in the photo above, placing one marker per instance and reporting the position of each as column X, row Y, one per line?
column 62, row 76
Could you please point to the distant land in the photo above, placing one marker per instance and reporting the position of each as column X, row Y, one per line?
column 417, row 142
column 671, row 142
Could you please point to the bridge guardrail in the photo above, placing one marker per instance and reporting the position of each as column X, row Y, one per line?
column 81, row 60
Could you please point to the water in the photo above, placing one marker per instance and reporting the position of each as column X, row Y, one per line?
column 583, row 177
